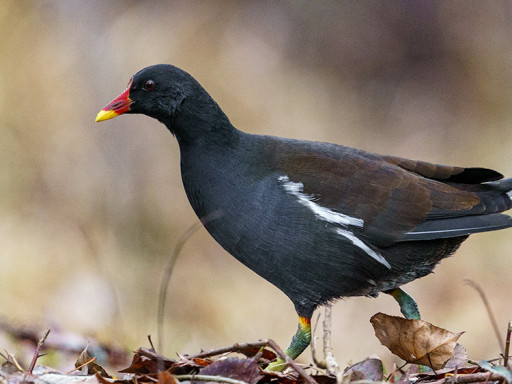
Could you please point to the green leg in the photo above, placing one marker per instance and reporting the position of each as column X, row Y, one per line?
column 408, row 306
column 300, row 342
column 409, row 309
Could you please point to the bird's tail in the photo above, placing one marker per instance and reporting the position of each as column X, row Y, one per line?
column 504, row 185
column 492, row 196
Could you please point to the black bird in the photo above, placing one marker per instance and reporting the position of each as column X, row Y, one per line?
column 320, row 221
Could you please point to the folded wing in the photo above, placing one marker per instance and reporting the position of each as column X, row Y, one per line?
column 400, row 199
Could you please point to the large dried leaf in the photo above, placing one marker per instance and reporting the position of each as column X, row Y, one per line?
column 415, row 341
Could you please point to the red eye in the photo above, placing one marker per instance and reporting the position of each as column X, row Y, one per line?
column 149, row 85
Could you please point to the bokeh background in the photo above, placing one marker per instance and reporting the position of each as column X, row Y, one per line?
column 90, row 213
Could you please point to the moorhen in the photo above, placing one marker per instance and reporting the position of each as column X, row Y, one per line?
column 320, row 221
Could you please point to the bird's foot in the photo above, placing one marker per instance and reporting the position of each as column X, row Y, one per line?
column 300, row 342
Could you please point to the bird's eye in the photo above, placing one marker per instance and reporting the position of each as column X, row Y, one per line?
column 149, row 85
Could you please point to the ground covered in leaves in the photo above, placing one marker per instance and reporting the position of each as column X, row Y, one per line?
column 430, row 354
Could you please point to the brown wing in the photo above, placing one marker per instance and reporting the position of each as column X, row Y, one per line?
column 393, row 196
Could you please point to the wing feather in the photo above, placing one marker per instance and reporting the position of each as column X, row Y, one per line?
column 398, row 199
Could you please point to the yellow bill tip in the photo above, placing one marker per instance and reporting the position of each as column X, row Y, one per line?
column 106, row 115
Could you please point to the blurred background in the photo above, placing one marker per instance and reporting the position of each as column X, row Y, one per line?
column 90, row 213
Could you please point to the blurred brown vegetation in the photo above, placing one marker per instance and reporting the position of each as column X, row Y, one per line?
column 90, row 213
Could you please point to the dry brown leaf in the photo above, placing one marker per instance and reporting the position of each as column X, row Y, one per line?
column 96, row 378
column 88, row 364
column 146, row 361
column 201, row 362
column 246, row 370
column 368, row 370
column 415, row 341
column 409, row 376
column 459, row 358
column 165, row 377
column 9, row 367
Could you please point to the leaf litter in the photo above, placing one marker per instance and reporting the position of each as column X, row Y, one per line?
column 422, row 343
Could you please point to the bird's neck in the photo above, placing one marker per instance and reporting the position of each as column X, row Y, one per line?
column 202, row 122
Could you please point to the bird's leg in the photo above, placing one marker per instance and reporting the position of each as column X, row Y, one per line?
column 408, row 306
column 409, row 309
column 300, row 342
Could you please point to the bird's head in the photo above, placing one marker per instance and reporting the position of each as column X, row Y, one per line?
column 157, row 91
column 176, row 99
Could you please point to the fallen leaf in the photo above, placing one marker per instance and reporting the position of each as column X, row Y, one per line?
column 186, row 364
column 459, row 358
column 407, row 377
column 146, row 361
column 165, row 377
column 90, row 367
column 245, row 370
column 9, row 367
column 201, row 362
column 500, row 371
column 368, row 370
column 252, row 351
column 415, row 341
column 101, row 379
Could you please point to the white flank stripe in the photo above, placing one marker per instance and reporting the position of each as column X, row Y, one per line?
column 509, row 193
column 358, row 243
column 320, row 212
column 326, row 214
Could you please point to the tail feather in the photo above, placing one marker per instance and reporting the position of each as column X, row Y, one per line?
column 504, row 185
column 458, row 226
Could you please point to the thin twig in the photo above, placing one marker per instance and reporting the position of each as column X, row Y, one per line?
column 397, row 369
column 162, row 295
column 216, row 379
column 153, row 355
column 488, row 377
column 475, row 378
column 93, row 359
column 151, row 342
column 37, row 350
column 11, row 359
column 327, row 329
column 490, row 313
column 318, row 363
column 333, row 367
column 167, row 277
column 238, row 348
column 507, row 345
